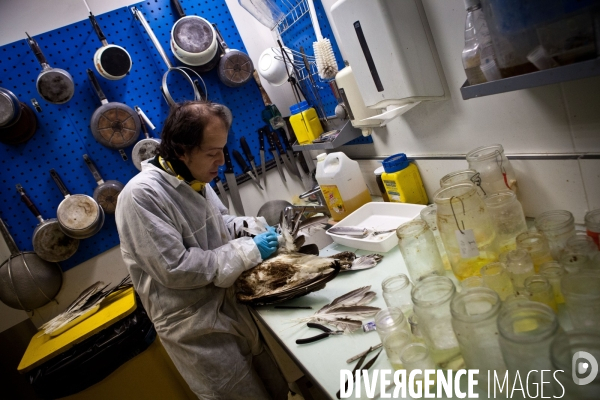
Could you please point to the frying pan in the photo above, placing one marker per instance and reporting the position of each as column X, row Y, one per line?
column 180, row 70
column 111, row 61
column 27, row 281
column 107, row 192
column 49, row 242
column 22, row 130
column 235, row 67
column 145, row 148
column 114, row 125
column 55, row 85
column 79, row 215
column 194, row 41
column 10, row 108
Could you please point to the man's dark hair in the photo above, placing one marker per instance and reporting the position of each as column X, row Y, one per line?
column 184, row 127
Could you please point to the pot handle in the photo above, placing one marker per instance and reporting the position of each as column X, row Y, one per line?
column 96, row 85
column 37, row 51
column 10, row 242
column 25, row 199
column 93, row 169
column 178, row 8
column 220, row 37
column 97, row 29
column 61, row 186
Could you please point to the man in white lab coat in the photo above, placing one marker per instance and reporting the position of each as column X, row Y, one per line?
column 177, row 241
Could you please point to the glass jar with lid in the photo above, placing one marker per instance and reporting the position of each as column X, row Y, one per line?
column 431, row 298
column 496, row 172
column 537, row 246
column 554, row 271
column 519, row 266
column 465, row 175
column 429, row 215
column 466, row 229
column 539, row 289
column 557, row 226
column 508, row 217
column 474, row 319
column 419, row 250
column 396, row 292
column 497, row 278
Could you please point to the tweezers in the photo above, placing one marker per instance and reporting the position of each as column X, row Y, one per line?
column 358, row 366
column 370, row 349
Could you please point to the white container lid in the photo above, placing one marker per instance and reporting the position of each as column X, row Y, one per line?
column 321, row 157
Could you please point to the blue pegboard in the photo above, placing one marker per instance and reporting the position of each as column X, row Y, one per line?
column 63, row 134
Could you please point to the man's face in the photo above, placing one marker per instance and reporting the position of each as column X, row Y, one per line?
column 204, row 161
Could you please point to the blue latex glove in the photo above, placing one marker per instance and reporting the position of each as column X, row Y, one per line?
column 267, row 243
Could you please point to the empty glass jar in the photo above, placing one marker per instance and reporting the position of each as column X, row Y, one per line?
column 554, row 272
column 396, row 292
column 474, row 315
column 557, row 226
column 419, row 250
column 575, row 262
column 580, row 242
column 471, row 282
column 465, row 175
column 537, row 246
column 582, row 297
column 416, row 356
column 539, row 289
column 429, row 215
column 431, row 298
column 390, row 320
column 466, row 229
column 495, row 170
column 497, row 278
column 519, row 266
column 508, row 217
column 592, row 225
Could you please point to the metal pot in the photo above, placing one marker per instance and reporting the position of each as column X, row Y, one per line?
column 114, row 125
column 111, row 61
column 235, row 67
column 55, row 85
column 107, row 192
column 145, row 148
column 10, row 108
column 26, row 281
column 79, row 215
column 22, row 130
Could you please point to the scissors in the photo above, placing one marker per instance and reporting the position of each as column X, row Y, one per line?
column 326, row 333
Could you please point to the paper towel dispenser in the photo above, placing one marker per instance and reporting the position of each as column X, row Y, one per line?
column 392, row 54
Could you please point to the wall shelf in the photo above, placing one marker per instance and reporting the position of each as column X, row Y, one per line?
column 585, row 69
column 347, row 134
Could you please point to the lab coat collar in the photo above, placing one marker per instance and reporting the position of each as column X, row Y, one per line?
column 147, row 166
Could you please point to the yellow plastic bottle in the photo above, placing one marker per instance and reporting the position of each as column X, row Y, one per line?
column 305, row 123
column 402, row 181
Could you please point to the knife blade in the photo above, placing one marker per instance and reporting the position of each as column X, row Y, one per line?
column 290, row 153
column 232, row 183
column 240, row 160
column 286, row 161
column 273, row 151
column 250, row 158
column 222, row 194
column 293, row 139
column 263, row 166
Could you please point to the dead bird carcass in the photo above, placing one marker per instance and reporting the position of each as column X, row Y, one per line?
column 291, row 273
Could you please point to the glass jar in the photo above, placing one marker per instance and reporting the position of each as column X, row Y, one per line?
column 474, row 315
column 431, row 298
column 537, row 246
column 390, row 320
column 582, row 298
column 471, row 282
column 466, row 229
column 465, row 175
column 394, row 344
column 539, row 289
column 429, row 215
column 419, row 250
column 526, row 331
column 508, row 217
column 519, row 266
column 592, row 225
column 396, row 292
column 575, row 262
column 416, row 356
column 557, row 226
column 497, row 278
column 554, row 272
column 495, row 170
column 580, row 242
column 563, row 349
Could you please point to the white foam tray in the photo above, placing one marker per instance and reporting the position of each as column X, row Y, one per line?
column 380, row 217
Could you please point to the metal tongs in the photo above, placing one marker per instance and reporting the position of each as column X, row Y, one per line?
column 358, row 366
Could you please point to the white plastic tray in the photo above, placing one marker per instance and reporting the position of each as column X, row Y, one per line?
column 380, row 217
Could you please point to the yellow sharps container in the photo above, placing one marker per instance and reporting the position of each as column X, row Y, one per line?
column 402, row 180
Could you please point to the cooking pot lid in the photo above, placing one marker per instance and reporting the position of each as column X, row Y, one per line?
column 237, row 67
column 193, row 34
column 117, row 126
column 78, row 212
column 115, row 61
column 55, row 87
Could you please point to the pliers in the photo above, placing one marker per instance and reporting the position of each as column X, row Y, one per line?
column 327, row 333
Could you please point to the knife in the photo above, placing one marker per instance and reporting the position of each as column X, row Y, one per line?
column 240, row 160
column 250, row 158
column 273, row 151
column 232, row 183
column 293, row 139
column 290, row 153
column 263, row 166
column 222, row 194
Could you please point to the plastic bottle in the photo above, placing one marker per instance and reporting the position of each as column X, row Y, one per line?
column 478, row 54
column 342, row 184
column 402, row 181
column 305, row 122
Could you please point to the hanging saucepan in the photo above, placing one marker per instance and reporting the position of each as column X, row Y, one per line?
column 194, row 41
column 145, row 148
column 49, row 241
column 26, row 281
column 10, row 108
column 22, row 130
column 79, row 215
column 235, row 67
column 114, row 125
column 55, row 85
column 111, row 61
column 107, row 192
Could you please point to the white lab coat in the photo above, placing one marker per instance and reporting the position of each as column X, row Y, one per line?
column 183, row 262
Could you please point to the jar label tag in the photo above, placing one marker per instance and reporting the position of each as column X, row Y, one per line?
column 333, row 199
column 466, row 243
